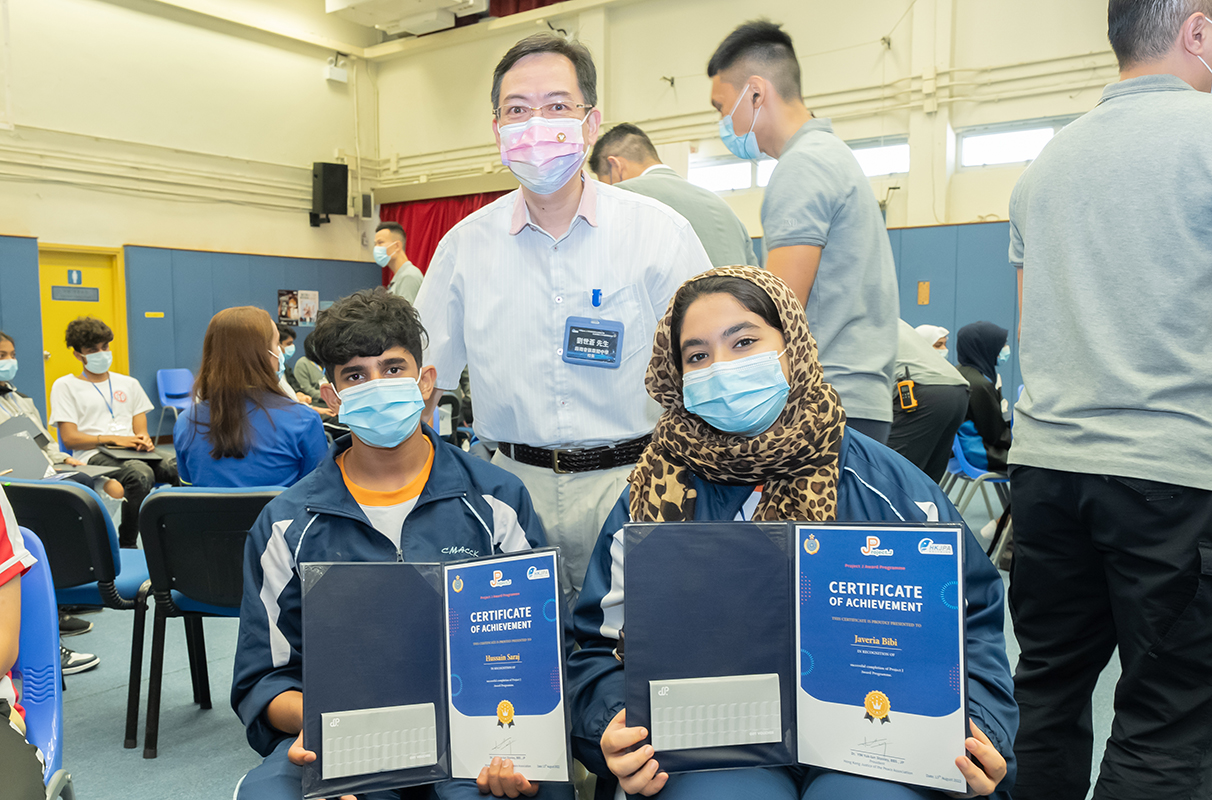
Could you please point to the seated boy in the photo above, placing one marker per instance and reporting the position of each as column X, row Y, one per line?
column 391, row 491
column 99, row 408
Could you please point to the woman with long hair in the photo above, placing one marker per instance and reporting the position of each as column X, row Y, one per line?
column 751, row 431
column 242, row 430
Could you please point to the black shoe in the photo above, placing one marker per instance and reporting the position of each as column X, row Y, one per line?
column 74, row 662
column 73, row 626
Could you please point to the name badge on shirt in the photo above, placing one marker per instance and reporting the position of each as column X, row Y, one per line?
column 593, row 342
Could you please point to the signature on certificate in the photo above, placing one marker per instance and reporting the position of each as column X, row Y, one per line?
column 873, row 746
column 502, row 747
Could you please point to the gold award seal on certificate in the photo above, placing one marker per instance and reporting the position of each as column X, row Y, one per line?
column 877, row 706
column 504, row 714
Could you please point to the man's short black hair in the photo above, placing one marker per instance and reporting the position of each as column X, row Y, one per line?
column 396, row 228
column 1141, row 31
column 84, row 333
column 364, row 325
column 765, row 49
column 286, row 332
column 625, row 140
column 577, row 53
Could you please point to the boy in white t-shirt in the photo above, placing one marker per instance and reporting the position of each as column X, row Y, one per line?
column 102, row 408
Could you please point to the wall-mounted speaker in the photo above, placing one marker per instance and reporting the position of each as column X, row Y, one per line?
column 329, row 188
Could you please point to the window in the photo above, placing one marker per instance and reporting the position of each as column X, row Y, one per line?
column 884, row 156
column 722, row 176
column 1016, row 143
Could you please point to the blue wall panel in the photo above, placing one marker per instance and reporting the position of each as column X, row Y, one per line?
column 928, row 254
column 190, row 287
column 21, row 313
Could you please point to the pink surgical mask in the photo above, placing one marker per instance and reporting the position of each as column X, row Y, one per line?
column 543, row 154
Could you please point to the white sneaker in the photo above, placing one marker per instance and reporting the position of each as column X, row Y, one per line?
column 74, row 662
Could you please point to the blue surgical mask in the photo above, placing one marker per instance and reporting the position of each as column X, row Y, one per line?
column 743, row 397
column 740, row 146
column 381, row 257
column 281, row 363
column 99, row 363
column 289, row 350
column 1004, row 355
column 8, row 369
column 382, row 413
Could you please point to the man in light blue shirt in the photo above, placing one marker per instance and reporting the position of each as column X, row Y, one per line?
column 551, row 296
column 823, row 230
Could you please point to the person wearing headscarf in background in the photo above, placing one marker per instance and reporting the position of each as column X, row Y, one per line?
column 751, row 431
column 936, row 336
column 929, row 402
column 985, row 434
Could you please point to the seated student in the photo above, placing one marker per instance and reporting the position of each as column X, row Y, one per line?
column 924, row 433
column 242, row 431
column 14, row 404
column 310, row 378
column 286, row 341
column 936, row 336
column 22, row 762
column 985, row 434
column 767, row 441
column 391, row 491
column 102, row 408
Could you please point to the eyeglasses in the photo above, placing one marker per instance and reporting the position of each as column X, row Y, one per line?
column 511, row 114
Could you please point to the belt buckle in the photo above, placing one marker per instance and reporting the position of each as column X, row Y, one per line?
column 555, row 463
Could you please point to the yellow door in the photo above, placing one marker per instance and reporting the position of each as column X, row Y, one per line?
column 80, row 282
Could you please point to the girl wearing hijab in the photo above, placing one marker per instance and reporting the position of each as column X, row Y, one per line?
column 936, row 335
column 245, row 430
column 985, row 434
column 751, row 431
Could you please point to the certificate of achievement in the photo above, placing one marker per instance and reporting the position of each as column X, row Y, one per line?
column 882, row 687
column 505, row 666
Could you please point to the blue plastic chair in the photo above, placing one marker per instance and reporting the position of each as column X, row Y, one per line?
column 40, row 669
column 87, row 565
column 975, row 479
column 194, row 539
column 176, row 388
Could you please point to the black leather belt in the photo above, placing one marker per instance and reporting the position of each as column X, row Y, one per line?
column 566, row 461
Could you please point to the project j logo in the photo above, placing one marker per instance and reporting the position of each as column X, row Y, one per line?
column 497, row 581
column 873, row 548
column 928, row 547
column 533, row 573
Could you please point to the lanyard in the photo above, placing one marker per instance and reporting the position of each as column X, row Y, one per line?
column 108, row 405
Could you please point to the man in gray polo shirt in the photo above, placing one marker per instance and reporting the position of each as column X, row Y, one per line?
column 625, row 157
column 1111, row 469
column 824, row 233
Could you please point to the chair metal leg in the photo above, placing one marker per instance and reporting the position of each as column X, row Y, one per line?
column 136, row 668
column 191, row 649
column 154, row 678
column 202, row 692
column 999, row 547
column 962, row 501
column 159, row 422
column 197, row 660
column 985, row 497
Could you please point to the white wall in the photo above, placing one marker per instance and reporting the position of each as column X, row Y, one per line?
column 171, row 129
column 992, row 61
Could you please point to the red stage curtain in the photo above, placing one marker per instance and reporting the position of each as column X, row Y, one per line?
column 503, row 8
column 425, row 222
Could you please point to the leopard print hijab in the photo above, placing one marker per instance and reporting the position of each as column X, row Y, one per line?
column 796, row 458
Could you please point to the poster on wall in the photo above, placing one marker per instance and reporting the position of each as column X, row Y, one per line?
column 309, row 306
column 288, row 307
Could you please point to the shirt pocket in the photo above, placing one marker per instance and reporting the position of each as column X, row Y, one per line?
column 628, row 305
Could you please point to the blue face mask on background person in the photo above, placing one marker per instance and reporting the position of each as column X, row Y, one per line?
column 99, row 363
column 744, row 396
column 740, row 146
column 289, row 350
column 382, row 413
column 281, row 363
column 381, row 257
column 8, row 369
column 1004, row 355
